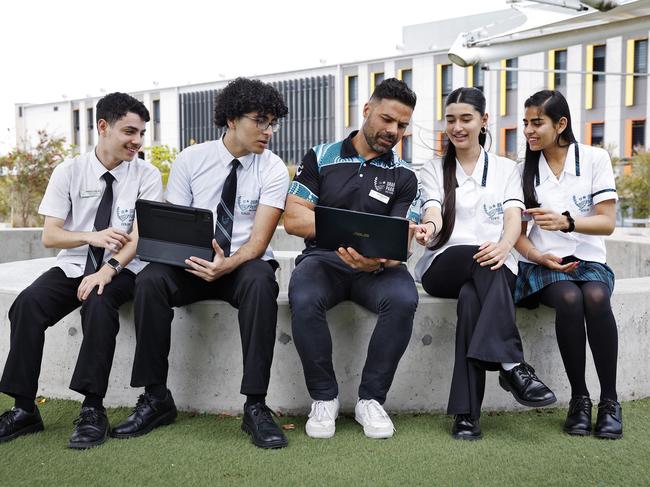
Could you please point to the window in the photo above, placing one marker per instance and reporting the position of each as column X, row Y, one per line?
column 597, row 134
column 560, row 63
column 20, row 112
column 641, row 56
column 441, row 142
column 407, row 148
column 509, row 141
column 156, row 120
column 375, row 79
column 446, row 81
column 351, row 100
column 511, row 76
column 406, row 75
column 55, row 108
column 90, row 125
column 75, row 127
column 638, row 136
column 599, row 63
column 478, row 77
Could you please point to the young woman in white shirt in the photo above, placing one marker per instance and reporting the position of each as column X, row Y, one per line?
column 472, row 203
column 570, row 193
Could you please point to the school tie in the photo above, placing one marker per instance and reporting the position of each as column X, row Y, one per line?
column 226, row 210
column 102, row 219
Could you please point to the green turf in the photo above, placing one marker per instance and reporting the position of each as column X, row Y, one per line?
column 518, row 449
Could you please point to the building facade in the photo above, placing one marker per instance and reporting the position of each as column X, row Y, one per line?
column 326, row 103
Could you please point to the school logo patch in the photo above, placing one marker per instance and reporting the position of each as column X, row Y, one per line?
column 246, row 205
column 493, row 211
column 583, row 203
column 126, row 215
column 386, row 187
column 299, row 170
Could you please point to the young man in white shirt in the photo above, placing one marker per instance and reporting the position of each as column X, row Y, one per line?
column 245, row 186
column 89, row 209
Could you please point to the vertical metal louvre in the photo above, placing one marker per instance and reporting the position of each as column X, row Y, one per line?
column 310, row 120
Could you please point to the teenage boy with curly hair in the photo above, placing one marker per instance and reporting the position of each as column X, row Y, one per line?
column 244, row 185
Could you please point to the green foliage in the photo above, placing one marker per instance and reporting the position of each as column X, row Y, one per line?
column 26, row 174
column 162, row 157
column 634, row 188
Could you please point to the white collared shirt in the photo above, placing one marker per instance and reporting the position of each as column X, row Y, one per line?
column 581, row 186
column 481, row 199
column 75, row 190
column 200, row 171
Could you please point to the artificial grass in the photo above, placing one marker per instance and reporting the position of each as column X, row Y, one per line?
column 518, row 449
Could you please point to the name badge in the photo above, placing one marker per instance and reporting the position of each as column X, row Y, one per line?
column 90, row 193
column 378, row 196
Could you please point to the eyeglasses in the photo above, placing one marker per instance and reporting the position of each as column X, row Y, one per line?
column 263, row 124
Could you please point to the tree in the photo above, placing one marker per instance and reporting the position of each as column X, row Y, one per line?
column 162, row 157
column 634, row 188
column 26, row 173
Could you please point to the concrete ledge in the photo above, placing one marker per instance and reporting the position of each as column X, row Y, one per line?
column 205, row 361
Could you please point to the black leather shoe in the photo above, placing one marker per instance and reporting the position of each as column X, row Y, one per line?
column 17, row 422
column 525, row 386
column 465, row 428
column 609, row 423
column 91, row 429
column 578, row 419
column 264, row 432
column 149, row 413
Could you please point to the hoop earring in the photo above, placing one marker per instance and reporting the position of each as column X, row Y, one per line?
column 483, row 130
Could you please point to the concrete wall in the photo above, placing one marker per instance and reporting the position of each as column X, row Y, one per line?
column 205, row 361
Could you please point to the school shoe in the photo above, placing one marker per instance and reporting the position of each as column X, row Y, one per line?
column 149, row 413
column 18, row 422
column 322, row 418
column 375, row 421
column 465, row 428
column 264, row 432
column 578, row 419
column 609, row 422
column 91, row 428
column 525, row 386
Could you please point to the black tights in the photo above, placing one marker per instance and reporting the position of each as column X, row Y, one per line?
column 576, row 303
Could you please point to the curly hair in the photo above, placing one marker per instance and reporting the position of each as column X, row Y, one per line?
column 116, row 105
column 395, row 89
column 244, row 95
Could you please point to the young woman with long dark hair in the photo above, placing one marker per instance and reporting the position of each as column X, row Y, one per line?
column 472, row 203
column 570, row 193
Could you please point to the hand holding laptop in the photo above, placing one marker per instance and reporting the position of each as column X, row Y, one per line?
column 209, row 270
column 358, row 262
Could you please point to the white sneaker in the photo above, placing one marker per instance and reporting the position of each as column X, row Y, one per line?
column 322, row 419
column 371, row 415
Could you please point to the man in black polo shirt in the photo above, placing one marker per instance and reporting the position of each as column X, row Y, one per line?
column 359, row 173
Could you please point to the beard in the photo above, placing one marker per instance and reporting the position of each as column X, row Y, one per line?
column 373, row 140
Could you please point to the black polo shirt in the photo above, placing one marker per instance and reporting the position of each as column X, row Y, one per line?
column 335, row 175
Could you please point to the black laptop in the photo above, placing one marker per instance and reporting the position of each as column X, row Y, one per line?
column 369, row 234
column 170, row 234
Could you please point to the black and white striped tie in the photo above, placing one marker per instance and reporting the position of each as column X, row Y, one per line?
column 226, row 210
column 102, row 219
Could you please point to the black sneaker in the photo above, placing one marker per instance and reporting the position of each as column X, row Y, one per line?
column 465, row 428
column 91, row 428
column 578, row 419
column 264, row 432
column 609, row 423
column 17, row 422
column 525, row 386
column 149, row 413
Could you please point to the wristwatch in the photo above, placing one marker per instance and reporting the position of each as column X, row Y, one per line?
column 115, row 265
column 572, row 222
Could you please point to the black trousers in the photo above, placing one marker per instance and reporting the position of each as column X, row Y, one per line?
column 486, row 332
column 251, row 288
column 41, row 305
column 319, row 282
